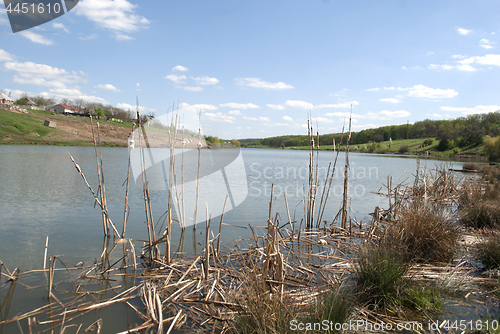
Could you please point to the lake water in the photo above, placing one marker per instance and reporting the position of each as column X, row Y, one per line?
column 41, row 194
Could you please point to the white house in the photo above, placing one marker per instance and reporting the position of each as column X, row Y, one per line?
column 64, row 109
column 4, row 99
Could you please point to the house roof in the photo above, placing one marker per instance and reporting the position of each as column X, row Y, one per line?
column 65, row 106
column 4, row 96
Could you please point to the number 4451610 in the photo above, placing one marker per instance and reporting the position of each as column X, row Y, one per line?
column 32, row 8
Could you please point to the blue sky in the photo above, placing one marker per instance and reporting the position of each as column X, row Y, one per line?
column 256, row 68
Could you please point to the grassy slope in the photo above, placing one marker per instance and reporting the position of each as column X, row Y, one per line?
column 15, row 128
column 415, row 145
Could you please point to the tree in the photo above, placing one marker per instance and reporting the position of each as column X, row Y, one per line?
column 235, row 143
column 99, row 112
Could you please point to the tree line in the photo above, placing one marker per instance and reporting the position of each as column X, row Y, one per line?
column 460, row 132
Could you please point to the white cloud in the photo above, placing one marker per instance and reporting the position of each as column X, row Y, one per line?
column 5, row 56
column 299, row 104
column 463, row 31
column 178, row 79
column 321, row 120
column 205, row 80
column 72, row 94
column 480, row 109
column 386, row 114
column 261, row 119
column 89, row 37
column 122, row 37
column 108, row 87
column 464, row 63
column 258, row 83
column 218, row 117
column 36, row 38
column 489, row 59
column 376, row 89
column 234, row 112
column 276, row 106
column 235, row 105
column 445, row 67
column 431, row 93
column 116, row 15
column 287, row 118
column 343, row 105
column 390, row 100
column 192, row 88
column 485, row 43
column 343, row 114
column 180, row 68
column 197, row 107
column 3, row 16
column 44, row 75
column 61, row 26
column 126, row 106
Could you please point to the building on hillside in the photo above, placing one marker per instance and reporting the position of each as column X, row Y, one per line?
column 29, row 103
column 64, row 109
column 5, row 100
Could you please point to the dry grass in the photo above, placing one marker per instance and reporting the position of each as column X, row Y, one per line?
column 479, row 205
column 422, row 233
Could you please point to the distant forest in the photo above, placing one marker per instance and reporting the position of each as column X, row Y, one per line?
column 460, row 132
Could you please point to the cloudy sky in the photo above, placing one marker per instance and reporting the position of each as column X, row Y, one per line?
column 256, row 68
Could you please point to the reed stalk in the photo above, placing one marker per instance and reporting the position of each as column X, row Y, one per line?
column 99, row 176
column 346, row 177
column 199, row 145
column 125, row 211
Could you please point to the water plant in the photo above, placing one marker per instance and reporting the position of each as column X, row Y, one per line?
column 488, row 252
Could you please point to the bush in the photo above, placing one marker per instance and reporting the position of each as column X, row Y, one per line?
column 421, row 233
column 445, row 144
column 427, row 142
column 488, row 253
column 380, row 276
column 456, row 150
column 381, row 148
column 492, row 148
column 404, row 149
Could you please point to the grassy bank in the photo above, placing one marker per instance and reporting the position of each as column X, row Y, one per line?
column 29, row 129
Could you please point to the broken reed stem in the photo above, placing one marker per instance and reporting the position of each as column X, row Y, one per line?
column 104, row 210
column 207, row 244
column 220, row 225
column 45, row 253
column 288, row 213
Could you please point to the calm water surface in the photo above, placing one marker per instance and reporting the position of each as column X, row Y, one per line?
column 41, row 194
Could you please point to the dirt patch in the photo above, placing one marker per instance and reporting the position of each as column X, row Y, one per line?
column 75, row 128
